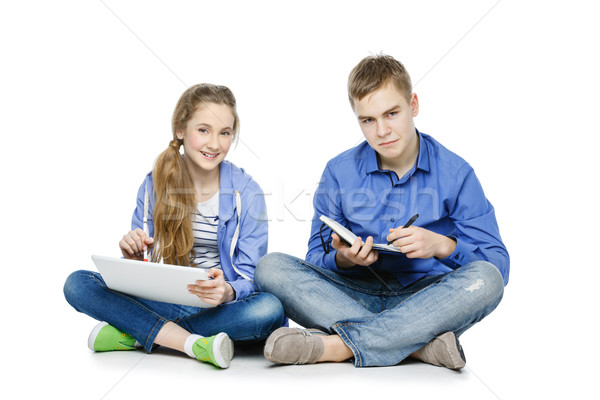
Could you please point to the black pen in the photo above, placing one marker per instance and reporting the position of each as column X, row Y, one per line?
column 409, row 223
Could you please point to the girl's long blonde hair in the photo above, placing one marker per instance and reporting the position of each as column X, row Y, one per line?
column 173, row 186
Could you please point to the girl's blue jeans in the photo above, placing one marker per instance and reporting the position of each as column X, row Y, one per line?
column 248, row 320
column 379, row 319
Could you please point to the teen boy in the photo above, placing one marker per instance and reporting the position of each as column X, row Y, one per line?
column 379, row 308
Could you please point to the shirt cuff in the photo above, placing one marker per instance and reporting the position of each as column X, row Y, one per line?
column 329, row 260
column 462, row 254
column 242, row 288
column 330, row 264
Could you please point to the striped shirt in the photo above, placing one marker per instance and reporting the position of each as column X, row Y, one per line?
column 205, row 224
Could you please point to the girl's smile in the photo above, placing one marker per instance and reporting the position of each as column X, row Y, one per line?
column 209, row 156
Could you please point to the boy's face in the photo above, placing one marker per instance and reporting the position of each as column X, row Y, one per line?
column 386, row 120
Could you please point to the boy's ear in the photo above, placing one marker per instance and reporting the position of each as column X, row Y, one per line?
column 414, row 103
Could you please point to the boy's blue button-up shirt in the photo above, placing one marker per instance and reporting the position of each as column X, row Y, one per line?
column 441, row 187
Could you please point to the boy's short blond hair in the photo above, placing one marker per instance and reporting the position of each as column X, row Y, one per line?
column 374, row 72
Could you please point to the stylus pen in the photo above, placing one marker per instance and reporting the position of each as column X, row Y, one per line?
column 145, row 245
column 145, row 225
column 409, row 223
column 146, row 254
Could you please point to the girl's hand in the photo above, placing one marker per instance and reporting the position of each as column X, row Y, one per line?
column 357, row 254
column 134, row 243
column 213, row 291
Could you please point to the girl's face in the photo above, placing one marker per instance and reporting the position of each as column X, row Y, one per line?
column 207, row 136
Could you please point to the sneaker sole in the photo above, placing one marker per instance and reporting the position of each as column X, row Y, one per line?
column 94, row 334
column 223, row 350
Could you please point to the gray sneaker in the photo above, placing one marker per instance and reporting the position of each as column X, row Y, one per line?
column 443, row 351
column 294, row 346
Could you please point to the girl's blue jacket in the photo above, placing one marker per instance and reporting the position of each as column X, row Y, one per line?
column 243, row 225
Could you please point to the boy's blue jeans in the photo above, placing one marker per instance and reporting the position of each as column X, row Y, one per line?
column 382, row 323
column 249, row 320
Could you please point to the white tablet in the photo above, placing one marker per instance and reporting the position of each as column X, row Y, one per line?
column 151, row 281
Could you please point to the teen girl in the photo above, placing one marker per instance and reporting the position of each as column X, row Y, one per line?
column 203, row 211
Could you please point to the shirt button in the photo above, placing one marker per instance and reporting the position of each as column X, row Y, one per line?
column 393, row 220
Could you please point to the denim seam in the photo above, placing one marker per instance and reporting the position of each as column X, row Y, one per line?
column 248, row 338
column 148, row 344
column 428, row 286
column 133, row 301
column 340, row 281
column 160, row 322
column 205, row 310
column 338, row 328
column 244, row 300
column 202, row 311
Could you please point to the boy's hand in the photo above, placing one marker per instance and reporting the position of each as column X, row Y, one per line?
column 213, row 291
column 357, row 254
column 417, row 242
column 133, row 244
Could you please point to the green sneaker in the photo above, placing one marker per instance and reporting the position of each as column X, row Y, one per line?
column 217, row 350
column 105, row 337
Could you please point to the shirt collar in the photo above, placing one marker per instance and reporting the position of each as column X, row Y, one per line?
column 422, row 159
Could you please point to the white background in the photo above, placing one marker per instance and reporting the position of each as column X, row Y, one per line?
column 87, row 89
